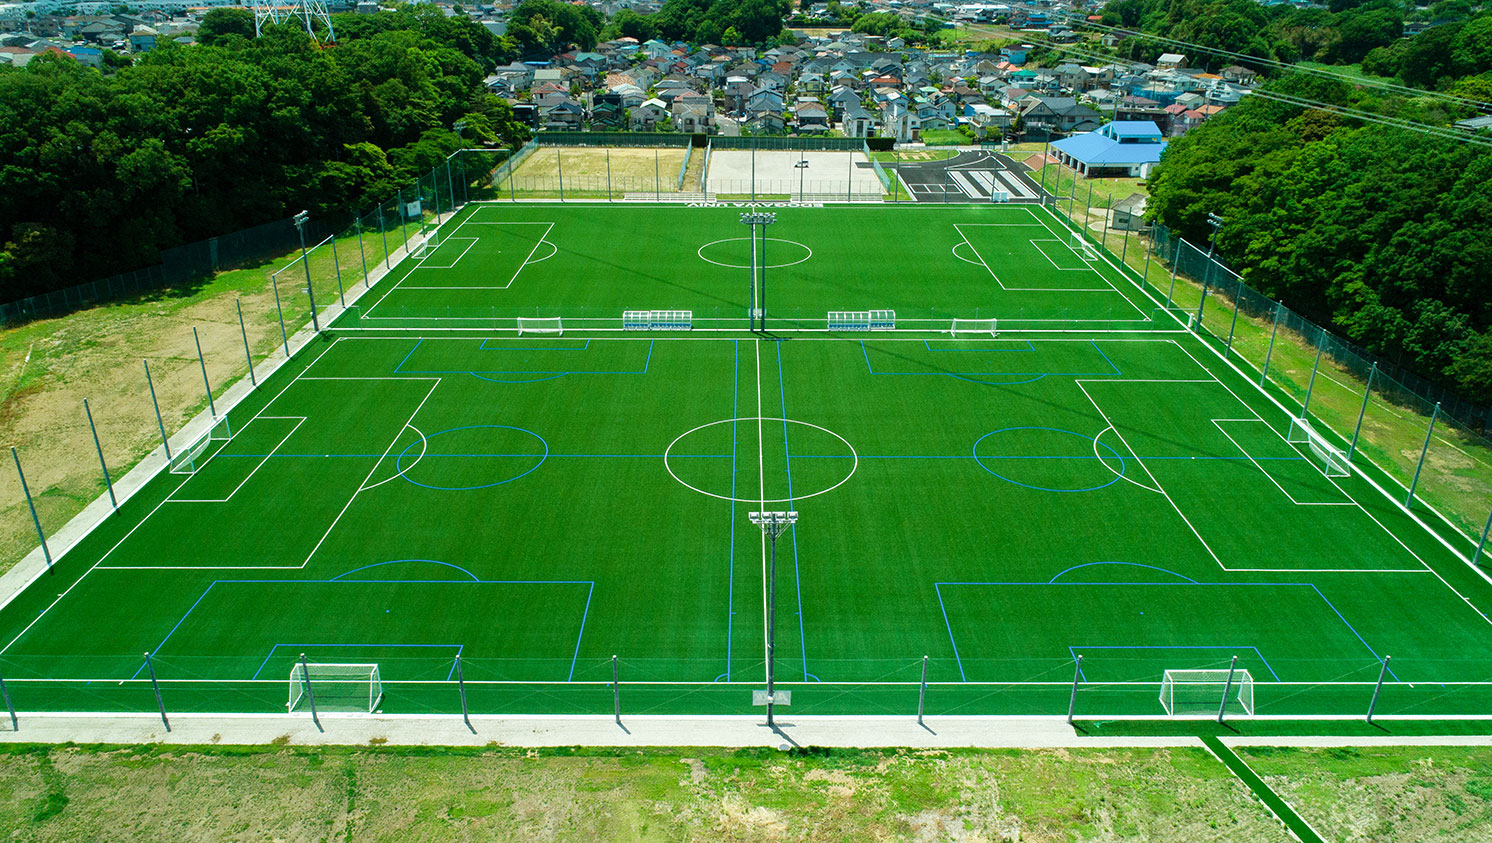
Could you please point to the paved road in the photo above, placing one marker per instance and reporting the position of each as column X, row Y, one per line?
column 972, row 176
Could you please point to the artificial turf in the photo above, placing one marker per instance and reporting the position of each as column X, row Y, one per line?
column 419, row 484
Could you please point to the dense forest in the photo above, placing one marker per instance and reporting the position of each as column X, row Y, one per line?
column 100, row 172
column 1381, row 232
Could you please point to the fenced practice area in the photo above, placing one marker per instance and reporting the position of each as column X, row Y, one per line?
column 515, row 475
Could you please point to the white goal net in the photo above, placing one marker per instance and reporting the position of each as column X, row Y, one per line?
column 430, row 234
column 193, row 456
column 540, row 325
column 335, row 687
column 1201, row 691
column 1085, row 250
column 973, row 328
column 1329, row 458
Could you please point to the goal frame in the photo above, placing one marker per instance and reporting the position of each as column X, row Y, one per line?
column 974, row 326
column 336, row 674
column 194, row 456
column 1203, row 690
column 540, row 325
column 1085, row 250
column 1329, row 458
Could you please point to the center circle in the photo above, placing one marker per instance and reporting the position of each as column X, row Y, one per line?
column 1049, row 459
column 711, row 458
column 735, row 252
column 476, row 456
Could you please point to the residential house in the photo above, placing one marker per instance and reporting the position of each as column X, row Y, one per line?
column 559, row 112
column 646, row 117
column 855, row 121
column 1121, row 148
column 1239, row 75
column 142, row 39
column 810, row 116
column 1171, row 61
column 694, row 112
column 900, row 121
column 608, row 113
column 1054, row 115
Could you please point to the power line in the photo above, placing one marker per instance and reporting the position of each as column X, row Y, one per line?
column 1294, row 67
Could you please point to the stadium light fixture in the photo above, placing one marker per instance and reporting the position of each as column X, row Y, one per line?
column 773, row 524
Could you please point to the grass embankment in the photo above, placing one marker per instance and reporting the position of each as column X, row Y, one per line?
column 218, row 793
column 48, row 366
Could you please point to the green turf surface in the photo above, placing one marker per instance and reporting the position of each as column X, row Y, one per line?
column 401, row 494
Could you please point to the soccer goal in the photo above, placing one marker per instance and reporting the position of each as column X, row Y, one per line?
column 1087, row 251
column 973, row 327
column 431, row 234
column 193, row 456
column 1329, row 458
column 1185, row 692
column 335, row 687
column 540, row 325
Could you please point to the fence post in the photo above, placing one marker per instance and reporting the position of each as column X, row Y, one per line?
column 156, row 686
column 1483, row 543
column 1373, row 704
column 1171, row 289
column 238, row 303
column 559, row 165
column 1201, row 303
column 108, row 483
column 1087, row 209
column 305, row 677
column 1429, row 433
column 1124, row 249
column 1367, row 391
column 616, row 692
column 15, row 725
column 657, row 179
column 46, row 552
column 1237, row 303
column 1222, row 708
column 357, row 224
column 201, row 361
column 284, row 337
column 451, row 186
column 337, row 268
column 165, row 443
column 608, row 174
column 922, row 692
column 383, row 231
column 403, row 222
column 1315, row 367
column 461, row 686
column 1264, row 374
column 1072, row 700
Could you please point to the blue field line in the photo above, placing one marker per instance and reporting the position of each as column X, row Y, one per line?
column 1257, row 654
column 275, row 647
column 970, row 379
column 1105, row 358
column 485, row 340
column 591, row 584
column 550, row 373
column 730, row 598
column 337, row 578
column 586, row 613
column 1053, row 580
column 1033, row 376
column 983, row 346
column 522, row 380
column 788, row 458
column 399, row 460
column 938, row 588
column 1115, row 479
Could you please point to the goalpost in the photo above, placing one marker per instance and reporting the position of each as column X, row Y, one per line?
column 973, row 327
column 1087, row 251
column 540, row 325
column 335, row 687
column 1330, row 459
column 1185, row 692
column 430, row 231
column 193, row 456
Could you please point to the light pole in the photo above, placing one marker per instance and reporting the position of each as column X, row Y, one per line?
column 802, row 168
column 1217, row 223
column 758, row 285
column 305, row 261
column 773, row 524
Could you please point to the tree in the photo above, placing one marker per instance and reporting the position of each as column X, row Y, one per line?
column 219, row 24
column 543, row 28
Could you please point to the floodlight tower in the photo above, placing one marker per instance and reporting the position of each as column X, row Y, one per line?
column 758, row 286
column 773, row 524
column 308, row 12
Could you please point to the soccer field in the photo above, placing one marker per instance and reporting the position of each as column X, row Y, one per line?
column 422, row 483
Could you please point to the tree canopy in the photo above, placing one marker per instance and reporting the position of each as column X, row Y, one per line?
column 706, row 21
column 102, row 172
